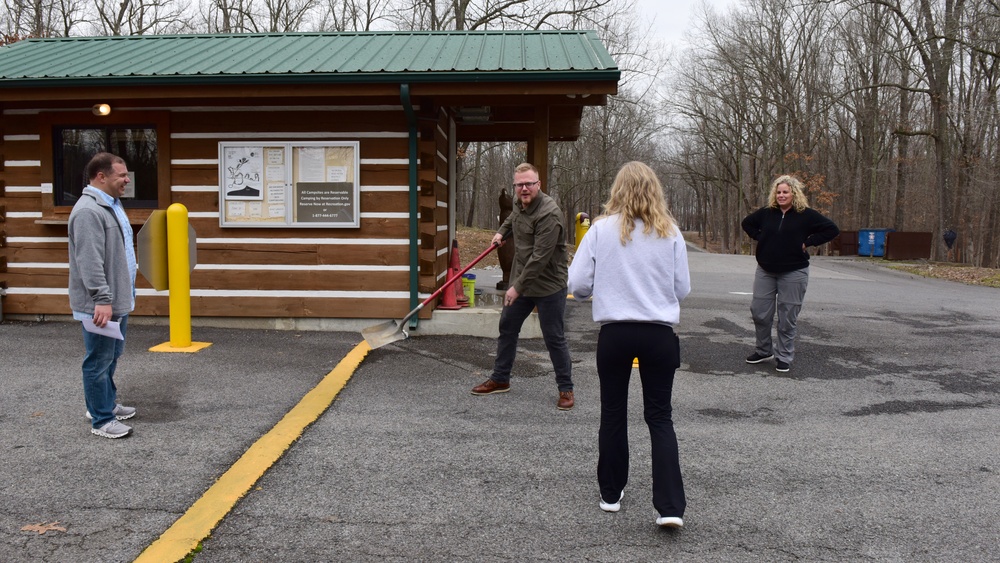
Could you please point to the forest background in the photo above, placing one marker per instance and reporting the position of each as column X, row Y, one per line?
column 886, row 109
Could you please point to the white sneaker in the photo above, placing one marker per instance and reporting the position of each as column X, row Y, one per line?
column 612, row 506
column 121, row 412
column 113, row 429
column 669, row 522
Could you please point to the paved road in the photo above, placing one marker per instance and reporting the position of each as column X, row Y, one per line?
column 880, row 444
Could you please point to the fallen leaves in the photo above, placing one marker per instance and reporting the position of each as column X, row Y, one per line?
column 43, row 527
column 953, row 272
column 473, row 241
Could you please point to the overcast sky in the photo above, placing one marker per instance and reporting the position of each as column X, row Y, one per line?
column 673, row 17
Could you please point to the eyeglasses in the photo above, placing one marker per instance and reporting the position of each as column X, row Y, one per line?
column 525, row 184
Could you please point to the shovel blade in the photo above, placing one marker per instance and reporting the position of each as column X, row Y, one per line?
column 384, row 333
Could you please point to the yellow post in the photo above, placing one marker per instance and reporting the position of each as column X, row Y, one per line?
column 179, row 273
column 179, row 260
column 582, row 226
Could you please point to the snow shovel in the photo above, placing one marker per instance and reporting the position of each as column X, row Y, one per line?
column 391, row 331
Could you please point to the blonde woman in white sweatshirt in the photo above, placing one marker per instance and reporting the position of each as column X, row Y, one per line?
column 633, row 260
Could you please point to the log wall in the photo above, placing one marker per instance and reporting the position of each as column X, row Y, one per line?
column 242, row 272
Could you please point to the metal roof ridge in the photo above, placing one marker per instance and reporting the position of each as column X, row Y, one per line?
column 175, row 36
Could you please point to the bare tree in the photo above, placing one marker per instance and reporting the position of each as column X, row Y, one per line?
column 228, row 16
column 502, row 14
column 887, row 108
column 140, row 17
column 41, row 18
column 934, row 31
column 352, row 15
column 752, row 100
column 288, row 15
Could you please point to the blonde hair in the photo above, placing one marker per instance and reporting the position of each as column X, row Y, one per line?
column 637, row 194
column 799, row 200
column 525, row 167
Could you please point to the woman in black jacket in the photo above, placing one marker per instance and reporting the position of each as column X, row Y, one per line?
column 782, row 230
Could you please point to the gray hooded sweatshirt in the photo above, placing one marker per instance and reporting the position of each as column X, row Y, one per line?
column 98, row 265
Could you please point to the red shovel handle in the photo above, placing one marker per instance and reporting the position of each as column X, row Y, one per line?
column 452, row 279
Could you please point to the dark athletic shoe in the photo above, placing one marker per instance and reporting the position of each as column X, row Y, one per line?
column 782, row 366
column 756, row 358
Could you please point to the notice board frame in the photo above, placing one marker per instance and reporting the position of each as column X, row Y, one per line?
column 302, row 184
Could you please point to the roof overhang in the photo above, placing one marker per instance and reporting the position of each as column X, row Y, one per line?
column 514, row 74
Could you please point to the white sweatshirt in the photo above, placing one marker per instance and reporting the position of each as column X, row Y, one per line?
column 643, row 281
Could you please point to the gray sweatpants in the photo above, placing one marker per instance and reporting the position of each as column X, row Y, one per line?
column 784, row 293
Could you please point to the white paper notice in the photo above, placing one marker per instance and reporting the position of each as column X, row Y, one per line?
column 275, row 172
column 275, row 192
column 244, row 172
column 311, row 164
column 112, row 329
column 336, row 174
column 236, row 209
column 130, row 187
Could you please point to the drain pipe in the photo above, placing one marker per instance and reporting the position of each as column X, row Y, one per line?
column 411, row 120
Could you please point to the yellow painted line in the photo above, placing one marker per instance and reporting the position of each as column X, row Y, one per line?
column 198, row 522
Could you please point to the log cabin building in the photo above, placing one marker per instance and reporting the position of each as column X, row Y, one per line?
column 318, row 169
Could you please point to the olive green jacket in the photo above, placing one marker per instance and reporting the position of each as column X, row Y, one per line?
column 540, row 255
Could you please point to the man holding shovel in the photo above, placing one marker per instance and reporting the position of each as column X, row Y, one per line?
column 538, row 279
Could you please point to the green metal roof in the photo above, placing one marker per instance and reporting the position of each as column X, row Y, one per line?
column 443, row 56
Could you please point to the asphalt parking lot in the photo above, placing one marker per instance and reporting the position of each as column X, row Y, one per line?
column 880, row 444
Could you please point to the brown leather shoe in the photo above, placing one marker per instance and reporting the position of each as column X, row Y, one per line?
column 489, row 387
column 565, row 400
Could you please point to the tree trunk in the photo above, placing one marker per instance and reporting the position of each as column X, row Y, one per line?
column 473, row 197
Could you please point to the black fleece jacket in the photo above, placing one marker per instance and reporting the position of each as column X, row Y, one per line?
column 780, row 236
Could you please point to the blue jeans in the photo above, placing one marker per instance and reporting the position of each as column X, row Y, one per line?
column 551, row 314
column 99, row 362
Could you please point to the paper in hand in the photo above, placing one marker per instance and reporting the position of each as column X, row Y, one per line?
column 112, row 329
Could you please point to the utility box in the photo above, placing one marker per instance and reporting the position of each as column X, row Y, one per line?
column 871, row 242
column 845, row 244
column 908, row 246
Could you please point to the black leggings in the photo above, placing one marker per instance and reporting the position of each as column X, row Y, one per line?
column 658, row 351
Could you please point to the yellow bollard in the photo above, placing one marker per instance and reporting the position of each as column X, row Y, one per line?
column 179, row 273
column 179, row 276
column 582, row 226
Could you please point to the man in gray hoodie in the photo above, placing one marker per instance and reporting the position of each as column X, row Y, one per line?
column 102, row 270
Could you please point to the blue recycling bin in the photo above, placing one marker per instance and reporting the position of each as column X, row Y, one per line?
column 871, row 242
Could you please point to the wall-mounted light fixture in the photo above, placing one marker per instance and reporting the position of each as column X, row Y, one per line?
column 101, row 109
column 473, row 114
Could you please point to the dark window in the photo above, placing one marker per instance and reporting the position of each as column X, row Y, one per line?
column 75, row 146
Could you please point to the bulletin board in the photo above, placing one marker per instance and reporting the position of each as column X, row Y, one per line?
column 304, row 184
